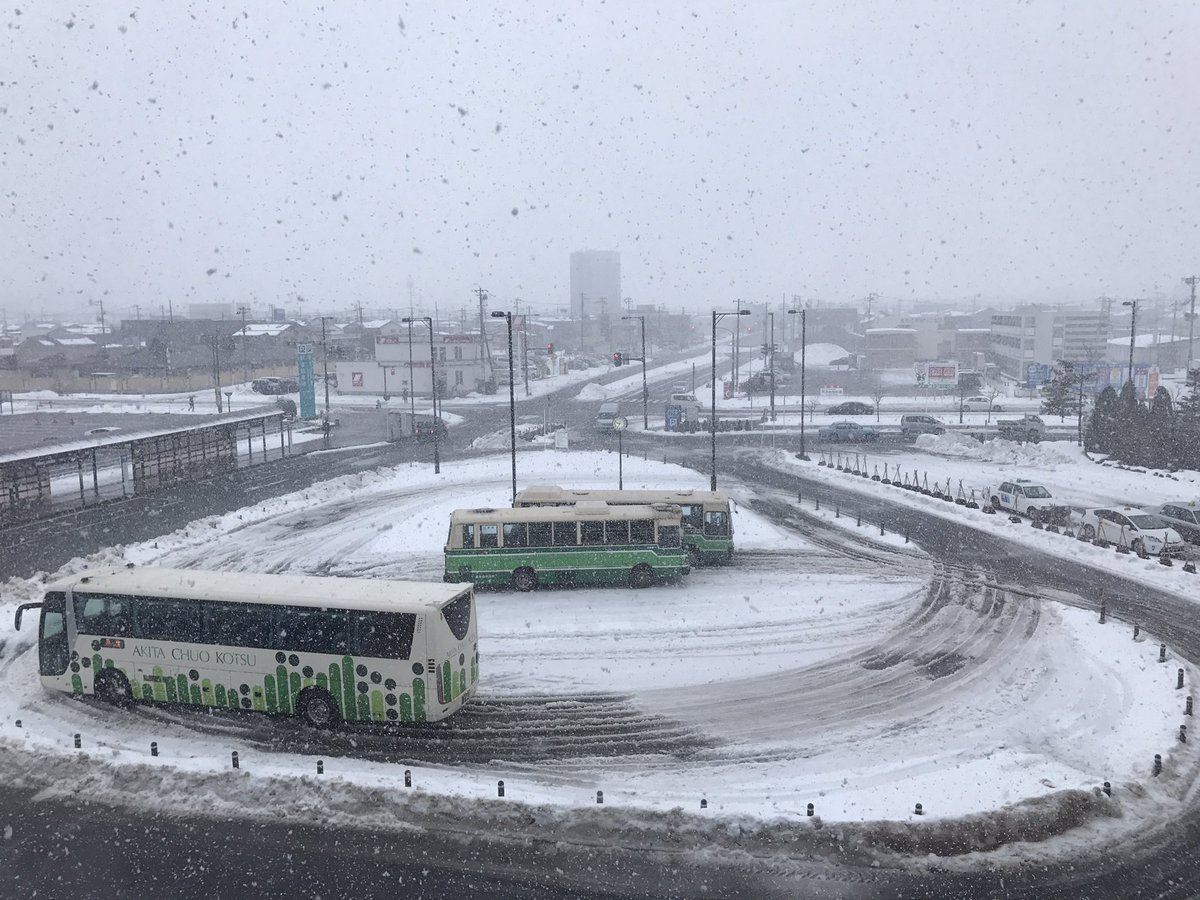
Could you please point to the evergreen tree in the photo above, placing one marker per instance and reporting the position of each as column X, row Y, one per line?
column 1159, row 450
column 1187, row 425
column 1130, row 438
column 1058, row 394
column 1102, row 427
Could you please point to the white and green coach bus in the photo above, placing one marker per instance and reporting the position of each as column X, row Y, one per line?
column 587, row 543
column 707, row 519
column 324, row 649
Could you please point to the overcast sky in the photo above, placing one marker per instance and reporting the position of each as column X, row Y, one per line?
column 360, row 151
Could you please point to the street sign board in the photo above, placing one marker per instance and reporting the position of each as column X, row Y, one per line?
column 674, row 414
column 308, row 388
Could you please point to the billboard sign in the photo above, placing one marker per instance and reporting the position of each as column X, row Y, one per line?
column 941, row 373
column 308, row 387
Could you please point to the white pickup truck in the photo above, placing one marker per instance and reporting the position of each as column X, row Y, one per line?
column 1026, row 428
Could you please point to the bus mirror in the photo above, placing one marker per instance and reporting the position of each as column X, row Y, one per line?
column 21, row 609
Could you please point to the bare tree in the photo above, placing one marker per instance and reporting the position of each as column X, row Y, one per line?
column 992, row 393
column 877, row 396
column 811, row 406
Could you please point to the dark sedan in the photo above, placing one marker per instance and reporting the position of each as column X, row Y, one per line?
column 851, row 408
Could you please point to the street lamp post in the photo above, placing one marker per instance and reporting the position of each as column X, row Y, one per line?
column 712, row 419
column 437, row 459
column 771, row 358
column 1132, row 332
column 412, row 394
column 803, row 346
column 512, row 401
column 645, row 390
column 324, row 364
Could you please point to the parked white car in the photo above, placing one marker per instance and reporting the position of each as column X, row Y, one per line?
column 981, row 404
column 1027, row 498
column 1142, row 530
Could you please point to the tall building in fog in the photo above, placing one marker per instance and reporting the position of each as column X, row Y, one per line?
column 595, row 283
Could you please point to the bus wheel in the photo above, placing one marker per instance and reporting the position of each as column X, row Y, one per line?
column 524, row 579
column 113, row 687
column 318, row 708
column 642, row 576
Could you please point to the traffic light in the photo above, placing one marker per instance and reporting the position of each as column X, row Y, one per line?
column 550, row 348
column 618, row 358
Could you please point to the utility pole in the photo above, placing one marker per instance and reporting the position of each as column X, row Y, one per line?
column 325, row 365
column 1191, row 279
column 242, row 310
column 216, row 354
column 737, row 350
column 582, row 326
column 360, row 313
column 137, row 312
column 771, row 357
column 487, row 350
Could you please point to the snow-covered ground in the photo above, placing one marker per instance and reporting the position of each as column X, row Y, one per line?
column 847, row 673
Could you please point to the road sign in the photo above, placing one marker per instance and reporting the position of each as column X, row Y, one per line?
column 673, row 416
column 308, row 390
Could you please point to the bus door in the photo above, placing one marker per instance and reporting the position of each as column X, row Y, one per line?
column 54, row 648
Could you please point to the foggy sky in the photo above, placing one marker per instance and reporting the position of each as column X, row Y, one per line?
column 351, row 153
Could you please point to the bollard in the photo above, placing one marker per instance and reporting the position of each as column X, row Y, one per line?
column 1107, row 789
column 881, row 529
column 1162, row 652
column 1103, row 612
column 1179, row 680
column 408, row 777
column 858, row 521
column 154, row 748
column 920, row 810
column 837, row 511
column 1187, row 706
column 77, row 740
column 1137, row 629
column 235, row 760
column 799, row 497
column 320, row 767
column 811, row 810
column 818, row 503
column 599, row 796
column 1183, row 734
column 499, row 788
column 18, row 723
column 1157, row 763
column 906, row 535
column 703, row 803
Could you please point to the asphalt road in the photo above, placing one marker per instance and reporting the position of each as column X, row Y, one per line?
column 196, row 857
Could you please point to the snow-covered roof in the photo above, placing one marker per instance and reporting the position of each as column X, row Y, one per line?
column 266, row 329
column 1146, row 340
column 377, row 323
column 75, row 342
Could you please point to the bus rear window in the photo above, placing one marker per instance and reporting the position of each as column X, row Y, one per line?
column 457, row 614
column 387, row 635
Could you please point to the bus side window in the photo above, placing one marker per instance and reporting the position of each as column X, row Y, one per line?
column 104, row 615
column 668, row 536
column 383, row 634
column 237, row 624
column 489, row 535
column 565, row 534
column 616, row 532
column 514, row 535
column 539, row 534
column 716, row 523
column 468, row 537
column 306, row 630
column 591, row 534
column 169, row 620
column 641, row 531
column 693, row 516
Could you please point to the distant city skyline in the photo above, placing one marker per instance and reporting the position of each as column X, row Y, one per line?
column 1030, row 152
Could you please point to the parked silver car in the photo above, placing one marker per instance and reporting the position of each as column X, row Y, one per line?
column 1184, row 518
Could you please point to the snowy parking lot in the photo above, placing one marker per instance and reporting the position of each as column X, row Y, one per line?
column 823, row 667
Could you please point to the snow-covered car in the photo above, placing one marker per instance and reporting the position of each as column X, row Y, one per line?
column 851, row 408
column 1028, row 498
column 980, row 404
column 1142, row 531
column 1184, row 517
column 913, row 425
column 850, row 432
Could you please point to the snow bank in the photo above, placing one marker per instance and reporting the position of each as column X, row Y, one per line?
column 821, row 354
column 954, row 443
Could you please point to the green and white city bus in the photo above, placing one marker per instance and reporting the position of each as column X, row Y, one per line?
column 323, row 649
column 588, row 543
column 707, row 522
